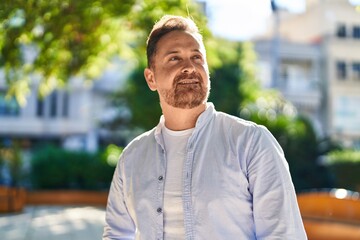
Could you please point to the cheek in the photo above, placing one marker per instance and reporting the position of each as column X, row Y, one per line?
column 164, row 80
column 205, row 75
column 204, row 69
column 167, row 74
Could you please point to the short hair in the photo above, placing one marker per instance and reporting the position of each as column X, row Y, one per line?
column 165, row 25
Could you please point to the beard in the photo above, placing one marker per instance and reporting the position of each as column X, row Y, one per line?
column 186, row 95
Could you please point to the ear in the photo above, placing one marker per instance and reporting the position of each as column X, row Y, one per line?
column 150, row 79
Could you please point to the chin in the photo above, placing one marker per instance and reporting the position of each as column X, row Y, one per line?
column 189, row 105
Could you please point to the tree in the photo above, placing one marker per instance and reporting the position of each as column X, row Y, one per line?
column 49, row 42
column 143, row 104
column 295, row 134
column 52, row 41
column 225, row 77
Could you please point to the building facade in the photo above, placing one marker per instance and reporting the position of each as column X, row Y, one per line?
column 318, row 56
column 69, row 117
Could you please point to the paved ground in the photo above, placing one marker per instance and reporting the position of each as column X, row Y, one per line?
column 53, row 223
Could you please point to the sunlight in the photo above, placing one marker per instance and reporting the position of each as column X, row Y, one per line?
column 341, row 193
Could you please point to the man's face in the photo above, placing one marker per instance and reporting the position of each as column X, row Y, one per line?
column 179, row 71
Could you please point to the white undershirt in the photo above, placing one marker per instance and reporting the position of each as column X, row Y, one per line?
column 175, row 145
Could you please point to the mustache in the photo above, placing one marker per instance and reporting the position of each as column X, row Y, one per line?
column 182, row 76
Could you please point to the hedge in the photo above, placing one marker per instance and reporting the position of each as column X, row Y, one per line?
column 344, row 165
column 56, row 168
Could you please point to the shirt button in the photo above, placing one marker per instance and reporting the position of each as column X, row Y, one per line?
column 159, row 210
column 160, row 178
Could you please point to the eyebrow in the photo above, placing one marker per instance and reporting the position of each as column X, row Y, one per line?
column 177, row 51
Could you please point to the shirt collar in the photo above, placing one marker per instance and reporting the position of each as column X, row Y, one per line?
column 203, row 118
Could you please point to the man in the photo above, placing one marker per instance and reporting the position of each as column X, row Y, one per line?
column 199, row 174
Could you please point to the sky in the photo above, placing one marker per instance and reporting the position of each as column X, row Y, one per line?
column 244, row 19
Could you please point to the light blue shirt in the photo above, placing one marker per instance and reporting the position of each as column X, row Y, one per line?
column 236, row 185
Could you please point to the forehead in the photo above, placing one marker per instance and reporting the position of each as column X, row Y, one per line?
column 179, row 40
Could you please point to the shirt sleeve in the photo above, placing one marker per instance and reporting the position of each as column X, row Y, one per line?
column 275, row 209
column 119, row 224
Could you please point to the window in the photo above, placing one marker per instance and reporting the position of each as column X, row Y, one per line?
column 356, row 32
column 65, row 106
column 53, row 104
column 8, row 107
column 40, row 107
column 284, row 76
column 341, row 70
column 356, row 70
column 341, row 31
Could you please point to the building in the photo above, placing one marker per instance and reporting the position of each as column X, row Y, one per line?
column 317, row 59
column 68, row 117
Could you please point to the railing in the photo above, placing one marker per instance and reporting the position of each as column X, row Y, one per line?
column 11, row 199
column 299, row 84
column 327, row 216
column 39, row 126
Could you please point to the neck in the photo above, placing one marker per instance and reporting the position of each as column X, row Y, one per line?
column 178, row 119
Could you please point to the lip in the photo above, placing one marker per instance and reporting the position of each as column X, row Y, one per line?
column 188, row 81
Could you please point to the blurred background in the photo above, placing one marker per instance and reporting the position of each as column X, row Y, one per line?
column 72, row 95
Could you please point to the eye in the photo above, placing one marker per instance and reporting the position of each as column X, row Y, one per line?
column 197, row 57
column 174, row 58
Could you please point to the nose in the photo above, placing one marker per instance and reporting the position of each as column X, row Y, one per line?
column 188, row 67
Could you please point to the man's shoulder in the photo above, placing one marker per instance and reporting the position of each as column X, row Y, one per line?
column 238, row 128
column 234, row 121
column 235, row 126
column 141, row 140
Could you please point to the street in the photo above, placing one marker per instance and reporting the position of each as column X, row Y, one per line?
column 53, row 222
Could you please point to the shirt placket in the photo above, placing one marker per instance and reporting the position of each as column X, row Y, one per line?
column 187, row 203
column 160, row 195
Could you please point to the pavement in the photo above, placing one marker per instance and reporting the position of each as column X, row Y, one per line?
column 53, row 223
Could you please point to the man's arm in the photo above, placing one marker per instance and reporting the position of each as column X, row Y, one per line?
column 119, row 224
column 276, row 212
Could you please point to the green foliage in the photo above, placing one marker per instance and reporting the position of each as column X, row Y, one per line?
column 225, row 77
column 296, row 136
column 233, row 80
column 112, row 153
column 56, row 168
column 250, row 88
column 71, row 37
column 11, row 159
column 294, row 133
column 345, row 167
column 142, row 102
column 344, row 156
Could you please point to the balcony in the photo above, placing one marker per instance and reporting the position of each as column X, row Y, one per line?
column 37, row 127
column 303, row 92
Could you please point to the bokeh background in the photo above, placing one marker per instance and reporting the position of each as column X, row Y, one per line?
column 72, row 94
